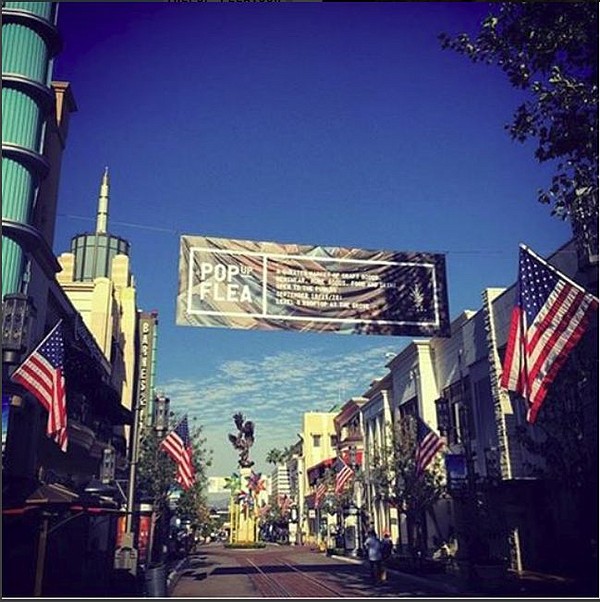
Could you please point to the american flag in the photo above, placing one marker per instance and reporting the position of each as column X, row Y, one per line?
column 178, row 445
column 343, row 475
column 428, row 444
column 549, row 317
column 320, row 494
column 42, row 374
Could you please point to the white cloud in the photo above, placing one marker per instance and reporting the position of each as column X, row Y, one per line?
column 273, row 391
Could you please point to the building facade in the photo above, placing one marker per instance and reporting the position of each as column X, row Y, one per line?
column 96, row 276
column 453, row 385
column 510, row 488
column 52, row 504
column 319, row 450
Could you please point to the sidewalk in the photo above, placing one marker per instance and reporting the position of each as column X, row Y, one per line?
column 526, row 584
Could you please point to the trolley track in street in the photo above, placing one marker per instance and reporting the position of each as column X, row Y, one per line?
column 289, row 581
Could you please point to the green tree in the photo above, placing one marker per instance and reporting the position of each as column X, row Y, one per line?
column 550, row 51
column 336, row 502
column 332, row 502
column 155, row 480
column 275, row 456
column 394, row 476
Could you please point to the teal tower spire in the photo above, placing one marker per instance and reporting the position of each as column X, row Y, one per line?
column 94, row 251
column 102, row 215
column 30, row 40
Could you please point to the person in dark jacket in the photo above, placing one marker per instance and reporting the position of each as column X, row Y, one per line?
column 386, row 553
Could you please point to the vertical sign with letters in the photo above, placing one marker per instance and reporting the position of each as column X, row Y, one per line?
column 146, row 326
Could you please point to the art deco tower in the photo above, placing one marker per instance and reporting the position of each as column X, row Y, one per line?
column 94, row 251
column 96, row 276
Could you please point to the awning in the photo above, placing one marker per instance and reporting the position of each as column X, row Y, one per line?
column 19, row 497
column 52, row 497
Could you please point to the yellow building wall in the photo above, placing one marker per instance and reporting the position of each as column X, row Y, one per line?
column 317, row 423
column 108, row 308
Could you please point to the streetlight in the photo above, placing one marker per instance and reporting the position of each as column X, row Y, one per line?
column 161, row 414
column 160, row 426
column 357, row 501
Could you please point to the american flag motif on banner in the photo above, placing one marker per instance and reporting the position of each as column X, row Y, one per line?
column 428, row 445
column 343, row 475
column 178, row 446
column 42, row 374
column 550, row 315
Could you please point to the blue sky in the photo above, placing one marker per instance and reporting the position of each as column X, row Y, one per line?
column 339, row 124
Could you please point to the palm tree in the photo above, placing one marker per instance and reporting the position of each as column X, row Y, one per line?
column 275, row 456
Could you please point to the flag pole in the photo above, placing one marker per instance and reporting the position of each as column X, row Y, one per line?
column 175, row 427
column 556, row 271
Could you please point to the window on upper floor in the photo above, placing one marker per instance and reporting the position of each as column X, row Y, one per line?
column 353, row 428
column 455, row 423
column 333, row 440
column 316, row 440
column 408, row 408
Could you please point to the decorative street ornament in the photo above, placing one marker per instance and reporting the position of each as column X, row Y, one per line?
column 233, row 483
column 244, row 439
column 256, row 483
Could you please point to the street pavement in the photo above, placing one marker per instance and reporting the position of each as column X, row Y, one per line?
column 300, row 571
column 218, row 572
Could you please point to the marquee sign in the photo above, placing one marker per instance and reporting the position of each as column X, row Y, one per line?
column 274, row 286
column 146, row 325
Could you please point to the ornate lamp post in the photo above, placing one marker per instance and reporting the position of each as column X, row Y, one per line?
column 160, row 511
column 356, row 504
column 18, row 313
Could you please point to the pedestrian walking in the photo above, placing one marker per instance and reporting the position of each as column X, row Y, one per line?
column 386, row 553
column 374, row 555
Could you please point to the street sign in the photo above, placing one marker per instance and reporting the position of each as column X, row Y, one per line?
column 456, row 469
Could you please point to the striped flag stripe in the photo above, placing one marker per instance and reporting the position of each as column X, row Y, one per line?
column 549, row 317
column 178, row 446
column 41, row 373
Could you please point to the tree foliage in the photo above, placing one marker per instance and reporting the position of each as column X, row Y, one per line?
column 156, row 475
column 394, row 476
column 155, row 470
column 275, row 456
column 278, row 456
column 333, row 502
column 549, row 50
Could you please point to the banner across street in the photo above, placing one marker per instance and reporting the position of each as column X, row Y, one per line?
column 266, row 285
